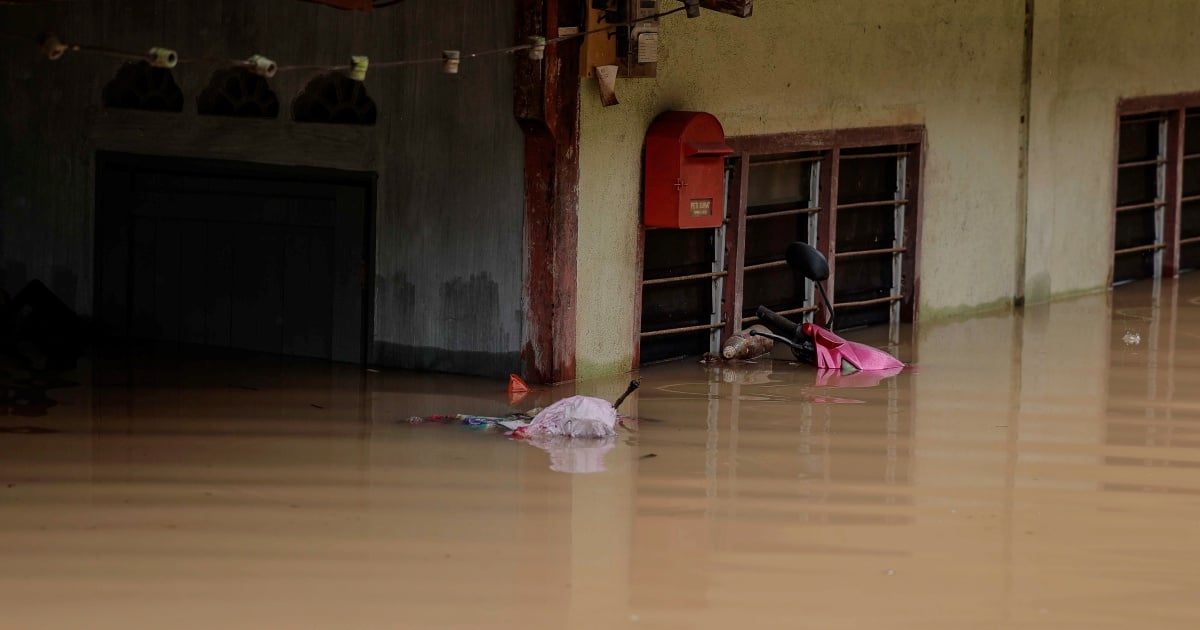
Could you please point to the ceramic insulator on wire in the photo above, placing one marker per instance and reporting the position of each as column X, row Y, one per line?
column 52, row 46
column 163, row 57
column 450, row 61
column 262, row 66
column 358, row 67
column 537, row 47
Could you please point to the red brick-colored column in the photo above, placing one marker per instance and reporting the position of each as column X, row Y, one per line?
column 546, row 104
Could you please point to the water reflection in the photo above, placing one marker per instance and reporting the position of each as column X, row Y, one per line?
column 26, row 393
column 575, row 455
column 1153, row 406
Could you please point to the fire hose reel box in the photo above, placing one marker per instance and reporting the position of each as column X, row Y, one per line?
column 685, row 171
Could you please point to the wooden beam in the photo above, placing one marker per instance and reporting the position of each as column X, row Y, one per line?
column 1159, row 103
column 1172, row 215
column 350, row 5
column 910, row 268
column 1113, row 187
column 546, row 105
column 735, row 243
column 827, row 230
column 821, row 140
column 739, row 8
column 637, row 300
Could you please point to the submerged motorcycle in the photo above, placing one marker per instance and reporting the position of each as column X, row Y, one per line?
column 813, row 344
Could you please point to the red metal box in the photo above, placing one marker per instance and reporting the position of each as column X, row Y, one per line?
column 685, row 171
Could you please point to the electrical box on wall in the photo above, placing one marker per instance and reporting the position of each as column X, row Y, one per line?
column 685, row 171
column 632, row 45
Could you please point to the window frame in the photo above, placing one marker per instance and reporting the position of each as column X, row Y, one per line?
column 1174, row 108
column 829, row 143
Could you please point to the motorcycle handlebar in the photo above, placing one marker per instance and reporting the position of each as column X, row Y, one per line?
column 777, row 322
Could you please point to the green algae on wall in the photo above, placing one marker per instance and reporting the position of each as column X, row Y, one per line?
column 963, row 310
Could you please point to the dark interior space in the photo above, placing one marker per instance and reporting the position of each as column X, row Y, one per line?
column 673, row 297
column 233, row 255
column 1140, row 198
column 780, row 210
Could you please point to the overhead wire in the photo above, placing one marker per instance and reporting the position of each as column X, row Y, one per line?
column 136, row 56
column 609, row 27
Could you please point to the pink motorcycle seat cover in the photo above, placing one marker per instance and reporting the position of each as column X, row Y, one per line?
column 832, row 351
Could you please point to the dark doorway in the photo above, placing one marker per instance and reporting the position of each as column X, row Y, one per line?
column 234, row 255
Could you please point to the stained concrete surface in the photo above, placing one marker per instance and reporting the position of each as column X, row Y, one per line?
column 1033, row 470
column 431, row 130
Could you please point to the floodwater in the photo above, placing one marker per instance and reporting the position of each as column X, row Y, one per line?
column 1034, row 470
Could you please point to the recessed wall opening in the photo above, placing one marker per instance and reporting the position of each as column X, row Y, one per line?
column 234, row 255
column 871, row 204
column 239, row 93
column 336, row 99
column 1138, row 241
column 145, row 87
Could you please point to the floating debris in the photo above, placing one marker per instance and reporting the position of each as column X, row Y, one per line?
column 440, row 419
column 575, row 416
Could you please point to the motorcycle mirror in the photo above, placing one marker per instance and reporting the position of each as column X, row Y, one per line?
column 806, row 260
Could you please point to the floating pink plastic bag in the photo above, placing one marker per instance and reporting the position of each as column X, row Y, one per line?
column 577, row 416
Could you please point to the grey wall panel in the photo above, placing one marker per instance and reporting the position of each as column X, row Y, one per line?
column 448, row 210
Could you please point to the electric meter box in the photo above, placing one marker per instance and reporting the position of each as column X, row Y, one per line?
column 685, row 171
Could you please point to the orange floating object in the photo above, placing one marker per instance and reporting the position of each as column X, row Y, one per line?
column 516, row 385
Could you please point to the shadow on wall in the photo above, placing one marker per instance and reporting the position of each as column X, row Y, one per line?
column 469, row 314
column 471, row 310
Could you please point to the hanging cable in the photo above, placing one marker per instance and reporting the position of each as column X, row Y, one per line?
column 609, row 27
column 163, row 57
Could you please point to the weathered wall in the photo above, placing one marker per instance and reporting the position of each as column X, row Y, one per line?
column 1087, row 55
column 448, row 152
column 955, row 67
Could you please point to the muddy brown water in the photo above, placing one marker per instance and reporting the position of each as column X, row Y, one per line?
column 1033, row 470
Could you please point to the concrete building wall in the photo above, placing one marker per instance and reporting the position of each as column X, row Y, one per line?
column 447, row 151
column 955, row 67
column 1000, row 224
column 1087, row 55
